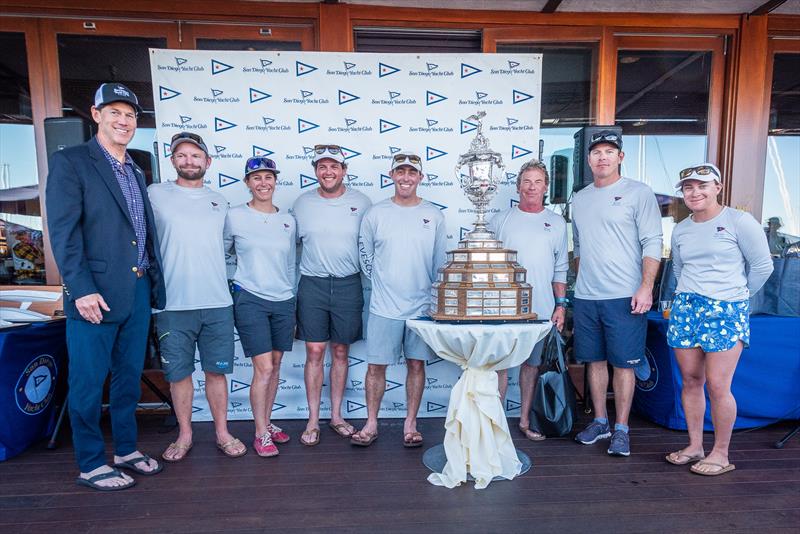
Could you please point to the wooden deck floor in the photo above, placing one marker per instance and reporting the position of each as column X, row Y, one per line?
column 337, row 487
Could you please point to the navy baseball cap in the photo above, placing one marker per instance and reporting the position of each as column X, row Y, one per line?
column 115, row 92
column 605, row 136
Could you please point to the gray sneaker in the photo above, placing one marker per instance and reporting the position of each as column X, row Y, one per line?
column 620, row 444
column 594, row 432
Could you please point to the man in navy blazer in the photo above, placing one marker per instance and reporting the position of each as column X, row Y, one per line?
column 106, row 247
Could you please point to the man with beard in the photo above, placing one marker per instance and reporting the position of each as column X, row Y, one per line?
column 329, row 296
column 190, row 219
column 106, row 248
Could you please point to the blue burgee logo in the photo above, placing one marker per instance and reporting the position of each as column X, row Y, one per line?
column 348, row 66
column 433, row 153
column 349, row 122
column 398, row 405
column 356, row 383
column 353, row 361
column 259, row 151
column 433, row 98
column 349, row 152
column 511, row 121
column 220, row 125
column 469, row 70
column 511, row 176
column 307, row 181
column 36, row 385
column 267, row 120
column 165, row 93
column 391, row 384
column 219, row 148
column 304, row 125
column 185, row 119
column 386, row 181
column 518, row 151
column 435, row 359
column 394, row 150
column 519, row 96
column 308, row 150
column 514, row 202
column 167, row 151
column 218, row 67
column 235, row 404
column 393, row 95
column 386, row 70
column 345, row 97
column 353, row 406
column 216, row 92
column 196, row 409
column 257, row 96
column 301, row 69
column 432, row 380
column 513, row 64
column 434, row 406
column 432, row 177
column 462, row 232
column 386, row 126
column 467, row 126
column 441, row 207
column 180, row 61
column 305, row 94
column 512, row 405
column 432, row 122
column 432, row 66
column 236, row 385
column 480, row 95
column 265, row 63
column 225, row 180
column 276, row 406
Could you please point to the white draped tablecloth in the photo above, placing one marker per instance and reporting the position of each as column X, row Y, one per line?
column 477, row 440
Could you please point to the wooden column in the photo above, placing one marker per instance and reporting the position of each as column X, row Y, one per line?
column 335, row 32
column 744, row 159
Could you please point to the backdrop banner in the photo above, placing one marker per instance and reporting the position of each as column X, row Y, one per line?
column 280, row 104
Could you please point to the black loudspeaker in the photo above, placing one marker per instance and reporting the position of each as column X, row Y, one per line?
column 582, row 174
column 559, row 176
column 62, row 132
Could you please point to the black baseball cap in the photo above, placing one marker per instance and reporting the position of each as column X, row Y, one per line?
column 605, row 136
column 188, row 137
column 115, row 92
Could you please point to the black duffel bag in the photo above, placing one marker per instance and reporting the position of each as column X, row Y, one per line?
column 554, row 406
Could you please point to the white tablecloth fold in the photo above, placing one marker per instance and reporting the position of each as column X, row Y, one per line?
column 477, row 440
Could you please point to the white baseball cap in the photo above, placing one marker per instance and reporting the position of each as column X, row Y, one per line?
column 705, row 172
column 406, row 157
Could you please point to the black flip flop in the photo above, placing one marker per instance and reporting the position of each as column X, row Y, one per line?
column 131, row 464
column 92, row 482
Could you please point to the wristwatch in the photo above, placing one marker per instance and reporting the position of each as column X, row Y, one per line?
column 562, row 301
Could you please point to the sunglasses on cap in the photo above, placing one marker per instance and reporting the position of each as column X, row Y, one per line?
column 400, row 158
column 260, row 163
column 610, row 137
column 331, row 149
column 700, row 170
column 188, row 135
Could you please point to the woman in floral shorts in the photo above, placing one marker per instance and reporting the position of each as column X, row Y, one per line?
column 720, row 257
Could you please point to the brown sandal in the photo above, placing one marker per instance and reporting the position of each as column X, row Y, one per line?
column 182, row 451
column 309, row 438
column 229, row 448
column 531, row 434
column 365, row 442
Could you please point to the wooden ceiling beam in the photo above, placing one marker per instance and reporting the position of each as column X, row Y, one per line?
column 767, row 7
column 551, row 6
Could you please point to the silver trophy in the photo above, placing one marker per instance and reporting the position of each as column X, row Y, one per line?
column 478, row 171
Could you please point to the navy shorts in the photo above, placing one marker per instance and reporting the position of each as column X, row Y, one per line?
column 606, row 330
column 330, row 308
column 180, row 333
column 263, row 325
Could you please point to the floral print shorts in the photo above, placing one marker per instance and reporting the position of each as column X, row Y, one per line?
column 712, row 325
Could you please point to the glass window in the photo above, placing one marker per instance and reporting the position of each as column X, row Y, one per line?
column 662, row 103
column 245, row 44
column 781, row 207
column 21, row 245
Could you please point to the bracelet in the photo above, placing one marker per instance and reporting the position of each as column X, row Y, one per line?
column 562, row 301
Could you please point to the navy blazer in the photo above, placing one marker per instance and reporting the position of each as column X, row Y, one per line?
column 92, row 235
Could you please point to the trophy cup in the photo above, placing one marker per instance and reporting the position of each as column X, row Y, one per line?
column 481, row 280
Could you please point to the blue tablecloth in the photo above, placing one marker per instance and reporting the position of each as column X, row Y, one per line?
column 32, row 358
column 766, row 384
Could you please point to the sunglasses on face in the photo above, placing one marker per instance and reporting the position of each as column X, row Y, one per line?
column 188, row 135
column 400, row 158
column 612, row 138
column 259, row 164
column 331, row 149
column 701, row 170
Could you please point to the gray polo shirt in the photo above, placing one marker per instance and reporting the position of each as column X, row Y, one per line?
column 614, row 228
column 725, row 258
column 190, row 223
column 328, row 231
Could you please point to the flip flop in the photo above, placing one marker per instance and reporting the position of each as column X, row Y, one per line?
column 682, row 458
column 183, row 450
column 313, row 434
column 92, row 482
column 531, row 434
column 363, row 443
column 722, row 469
column 345, row 430
column 131, row 464
column 410, row 440
column 228, row 449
